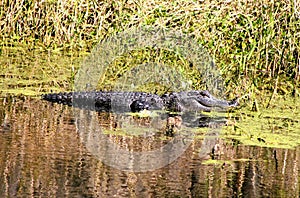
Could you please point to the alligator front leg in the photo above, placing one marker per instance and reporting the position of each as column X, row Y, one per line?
column 139, row 105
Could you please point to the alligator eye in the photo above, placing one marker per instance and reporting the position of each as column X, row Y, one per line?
column 205, row 93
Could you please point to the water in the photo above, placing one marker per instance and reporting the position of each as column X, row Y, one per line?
column 43, row 153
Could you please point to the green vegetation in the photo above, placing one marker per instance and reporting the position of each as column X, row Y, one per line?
column 273, row 127
column 255, row 44
column 33, row 72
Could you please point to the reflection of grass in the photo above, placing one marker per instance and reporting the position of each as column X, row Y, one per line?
column 128, row 131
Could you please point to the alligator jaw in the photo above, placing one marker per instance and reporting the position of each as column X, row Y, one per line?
column 208, row 100
column 196, row 101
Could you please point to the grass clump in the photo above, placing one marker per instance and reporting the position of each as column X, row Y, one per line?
column 254, row 43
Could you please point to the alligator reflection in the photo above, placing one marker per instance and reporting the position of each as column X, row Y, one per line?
column 42, row 154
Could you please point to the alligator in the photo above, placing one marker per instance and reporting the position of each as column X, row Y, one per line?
column 120, row 101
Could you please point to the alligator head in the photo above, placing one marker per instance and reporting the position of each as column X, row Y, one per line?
column 197, row 101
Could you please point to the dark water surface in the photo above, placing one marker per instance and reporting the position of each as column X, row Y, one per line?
column 43, row 154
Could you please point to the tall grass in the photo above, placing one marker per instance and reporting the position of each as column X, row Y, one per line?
column 255, row 43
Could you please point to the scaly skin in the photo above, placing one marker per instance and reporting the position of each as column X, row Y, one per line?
column 137, row 101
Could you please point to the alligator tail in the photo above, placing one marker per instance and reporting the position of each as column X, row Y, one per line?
column 61, row 98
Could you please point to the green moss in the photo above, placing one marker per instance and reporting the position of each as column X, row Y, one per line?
column 277, row 127
column 225, row 162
